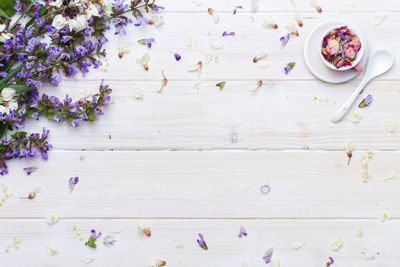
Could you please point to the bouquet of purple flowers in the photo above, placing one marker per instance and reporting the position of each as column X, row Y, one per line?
column 42, row 40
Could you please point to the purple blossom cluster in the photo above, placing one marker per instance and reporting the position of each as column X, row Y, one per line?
column 54, row 39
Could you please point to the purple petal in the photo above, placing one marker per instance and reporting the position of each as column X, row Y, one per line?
column 268, row 255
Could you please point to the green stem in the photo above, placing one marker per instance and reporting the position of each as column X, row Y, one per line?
column 22, row 15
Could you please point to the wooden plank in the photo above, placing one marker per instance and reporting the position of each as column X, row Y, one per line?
column 279, row 6
column 225, row 248
column 235, row 61
column 284, row 115
column 303, row 184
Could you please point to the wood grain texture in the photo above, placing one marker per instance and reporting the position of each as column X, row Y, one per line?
column 225, row 248
column 205, row 185
column 284, row 115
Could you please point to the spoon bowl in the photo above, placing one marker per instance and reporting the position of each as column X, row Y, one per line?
column 379, row 63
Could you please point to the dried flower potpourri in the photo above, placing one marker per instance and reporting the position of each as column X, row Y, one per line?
column 340, row 47
column 42, row 40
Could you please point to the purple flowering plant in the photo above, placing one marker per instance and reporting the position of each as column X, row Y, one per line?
column 92, row 239
column 40, row 42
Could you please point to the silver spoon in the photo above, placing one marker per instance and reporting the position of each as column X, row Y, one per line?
column 379, row 63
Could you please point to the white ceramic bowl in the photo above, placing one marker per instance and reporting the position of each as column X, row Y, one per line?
column 360, row 53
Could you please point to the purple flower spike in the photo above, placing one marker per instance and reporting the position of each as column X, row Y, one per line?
column 268, row 255
column 177, row 57
column 236, row 8
column 29, row 170
column 148, row 42
column 366, row 101
column 72, row 182
column 228, row 33
column 242, row 231
column 284, row 40
column 3, row 168
column 156, row 8
column 330, row 262
column 201, row 242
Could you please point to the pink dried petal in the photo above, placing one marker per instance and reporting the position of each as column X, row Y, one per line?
column 359, row 67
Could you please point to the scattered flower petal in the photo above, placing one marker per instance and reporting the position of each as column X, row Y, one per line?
column 72, row 182
column 359, row 67
column 201, row 242
column 210, row 56
column 123, row 48
column 359, row 231
column 177, row 57
column 289, row 67
column 196, row 67
column 390, row 176
column 268, row 255
column 242, row 231
column 298, row 19
column 236, row 8
column 297, row 245
column 144, row 60
column 157, row 20
column 349, row 147
column 367, row 255
column 52, row 249
column 354, row 117
column 379, row 19
column 178, row 243
column 390, row 125
column 336, row 244
column 269, row 22
column 137, row 94
column 143, row 229
column 254, row 91
column 315, row 5
column 52, row 217
column 147, row 42
column 284, row 40
column 275, row 262
column 384, row 215
column 225, row 33
column 366, row 102
column 330, row 262
column 89, row 259
column 291, row 28
column 29, row 170
column 214, row 15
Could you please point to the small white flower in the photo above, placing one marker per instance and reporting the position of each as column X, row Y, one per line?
column 379, row 18
column 144, row 60
column 56, row 3
column 275, row 262
column 216, row 45
column 52, row 217
column 291, row 28
column 7, row 94
column 178, row 243
column 123, row 48
column 157, row 20
column 5, row 36
column 137, row 94
column 190, row 41
column 77, row 24
column 390, row 125
column 59, row 22
column 349, row 146
column 52, row 249
column 296, row 245
column 92, row 11
column 384, row 215
column 2, row 27
column 269, row 22
column 336, row 244
column 196, row 67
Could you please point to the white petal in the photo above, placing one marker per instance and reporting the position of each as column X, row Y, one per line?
column 215, row 17
column 2, row 27
column 217, row 45
column 275, row 262
column 291, row 28
column 268, row 22
column 379, row 19
column 336, row 244
column 137, row 94
column 354, row 117
column 296, row 245
column 390, row 176
column 390, row 125
column 144, row 59
column 262, row 64
column 7, row 94
column 124, row 48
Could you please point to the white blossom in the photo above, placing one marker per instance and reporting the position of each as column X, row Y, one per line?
column 59, row 22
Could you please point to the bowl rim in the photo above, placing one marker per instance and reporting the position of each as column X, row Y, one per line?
column 360, row 53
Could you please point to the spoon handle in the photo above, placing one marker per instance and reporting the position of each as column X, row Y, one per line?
column 347, row 105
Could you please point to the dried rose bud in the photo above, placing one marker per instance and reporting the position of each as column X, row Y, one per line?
column 31, row 195
column 349, row 154
column 120, row 54
column 255, row 59
column 151, row 21
column 146, row 67
column 211, row 11
column 259, row 83
column 319, row 9
column 300, row 23
column 200, row 64
column 296, row 33
column 147, row 232
column 164, row 81
column 275, row 26
column 80, row 101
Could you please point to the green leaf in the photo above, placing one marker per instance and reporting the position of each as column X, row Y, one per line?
column 20, row 88
column 221, row 85
column 3, row 129
column 41, row 13
column 7, row 8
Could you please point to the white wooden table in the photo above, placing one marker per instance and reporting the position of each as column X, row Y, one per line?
column 173, row 161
